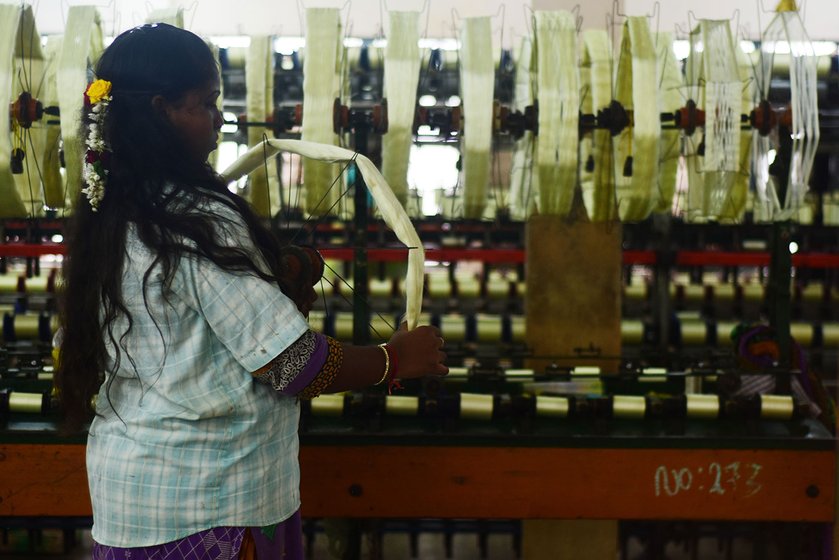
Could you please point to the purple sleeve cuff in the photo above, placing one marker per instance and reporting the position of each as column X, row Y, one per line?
column 311, row 369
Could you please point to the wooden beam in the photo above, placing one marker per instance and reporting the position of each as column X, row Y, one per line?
column 492, row 482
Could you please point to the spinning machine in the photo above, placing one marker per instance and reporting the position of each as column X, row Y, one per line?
column 634, row 343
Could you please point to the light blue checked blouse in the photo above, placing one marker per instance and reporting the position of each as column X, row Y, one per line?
column 192, row 442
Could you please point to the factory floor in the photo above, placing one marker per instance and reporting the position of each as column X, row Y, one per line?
column 395, row 546
column 431, row 546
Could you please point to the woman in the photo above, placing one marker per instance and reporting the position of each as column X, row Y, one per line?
column 182, row 313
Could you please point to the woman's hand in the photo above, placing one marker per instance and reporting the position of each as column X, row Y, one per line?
column 419, row 352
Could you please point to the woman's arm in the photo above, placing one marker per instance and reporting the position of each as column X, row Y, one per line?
column 315, row 364
column 417, row 353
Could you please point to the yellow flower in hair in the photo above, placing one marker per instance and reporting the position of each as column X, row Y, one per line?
column 98, row 90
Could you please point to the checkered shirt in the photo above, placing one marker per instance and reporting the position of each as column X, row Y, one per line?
column 191, row 441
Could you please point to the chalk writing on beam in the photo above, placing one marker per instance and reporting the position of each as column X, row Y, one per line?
column 715, row 479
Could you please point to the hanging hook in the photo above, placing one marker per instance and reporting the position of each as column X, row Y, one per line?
column 531, row 19
column 426, row 7
column 194, row 9
column 382, row 10
column 502, row 9
column 657, row 16
column 616, row 9
column 692, row 19
column 455, row 17
column 301, row 11
column 736, row 16
column 578, row 18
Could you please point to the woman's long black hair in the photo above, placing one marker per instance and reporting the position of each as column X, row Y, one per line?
column 147, row 160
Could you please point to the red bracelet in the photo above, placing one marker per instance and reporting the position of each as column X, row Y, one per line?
column 392, row 367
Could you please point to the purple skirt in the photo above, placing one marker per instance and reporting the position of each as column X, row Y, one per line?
column 281, row 541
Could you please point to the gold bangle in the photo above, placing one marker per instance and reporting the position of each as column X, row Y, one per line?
column 387, row 365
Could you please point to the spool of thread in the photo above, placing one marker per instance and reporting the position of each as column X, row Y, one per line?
column 694, row 332
column 10, row 283
column 457, row 373
column 703, row 406
column 328, row 405
column 632, row 332
column 37, row 284
column 752, row 292
column 635, row 291
column 317, row 321
column 724, row 330
column 497, row 286
column 489, row 327
column 330, row 276
column 521, row 289
column 381, row 288
column 802, row 333
column 343, row 286
column 468, row 287
column 343, row 325
column 724, row 292
column 518, row 327
column 439, row 286
column 476, row 407
column 22, row 327
column 453, row 327
column 830, row 335
column 26, row 402
column 518, row 373
column 629, row 407
column 653, row 375
column 672, row 290
column 694, row 292
column 551, row 407
column 776, row 407
column 397, row 405
column 813, row 293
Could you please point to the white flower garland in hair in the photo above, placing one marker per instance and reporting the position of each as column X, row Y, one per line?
column 95, row 172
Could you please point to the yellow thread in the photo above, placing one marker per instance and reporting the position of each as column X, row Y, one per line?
column 26, row 326
column 554, row 407
column 328, row 405
column 802, row 333
column 776, row 407
column 25, row 402
column 830, row 335
column 624, row 406
column 519, row 327
column 632, row 332
column 8, row 283
column 401, row 406
column 458, row 372
column 703, row 406
column 453, row 327
column 475, row 407
column 489, row 327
